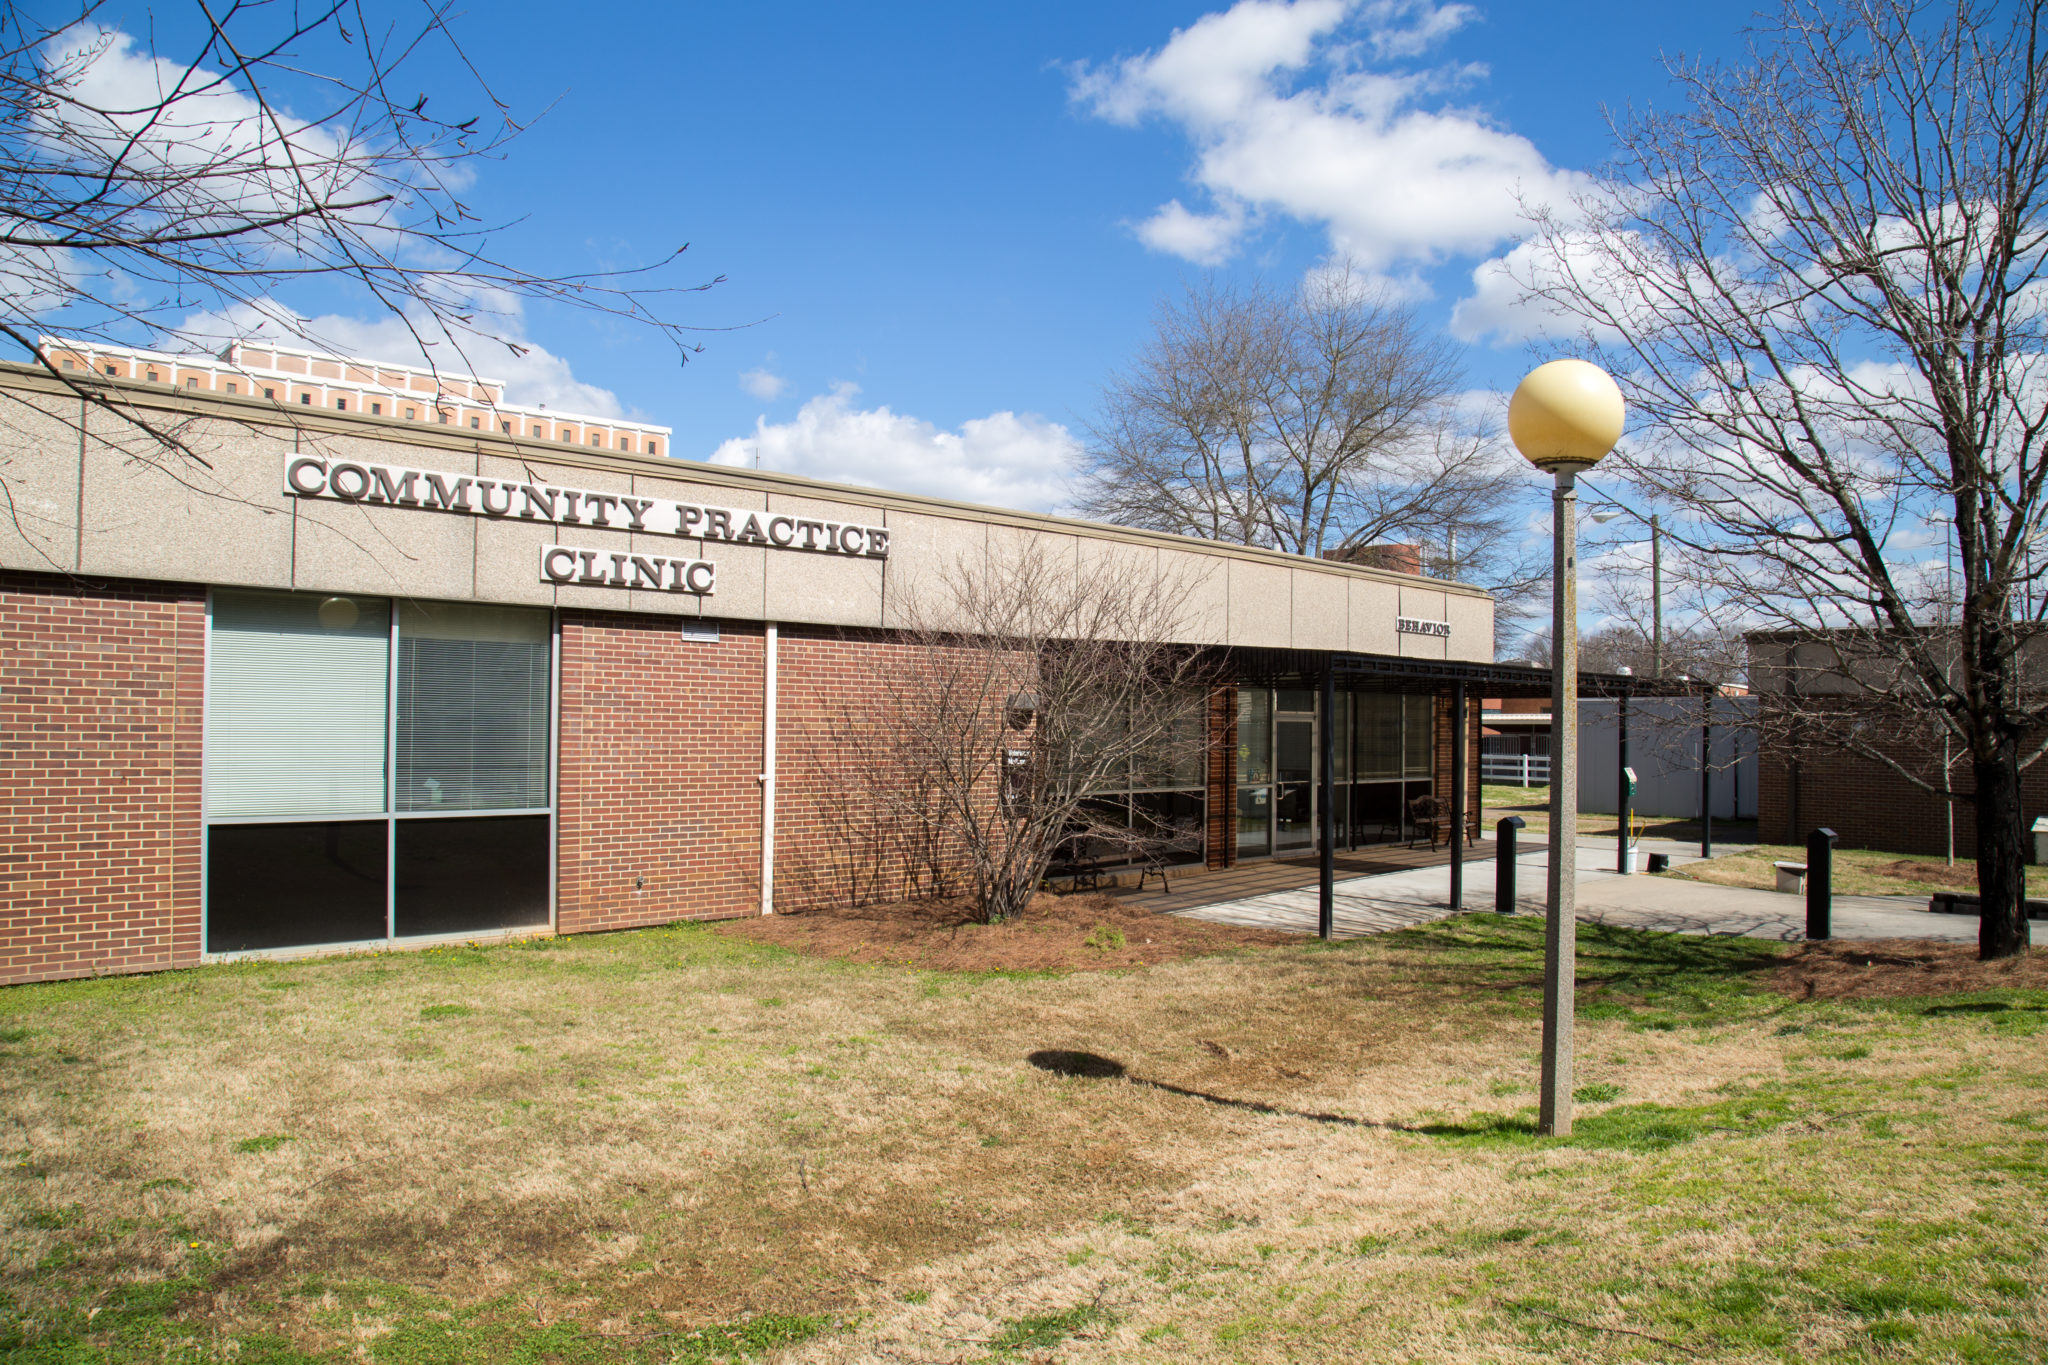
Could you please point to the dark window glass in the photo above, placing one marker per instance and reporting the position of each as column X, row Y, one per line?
column 1254, row 820
column 295, row 885
column 1296, row 749
column 466, row 876
column 1293, row 818
column 1176, row 820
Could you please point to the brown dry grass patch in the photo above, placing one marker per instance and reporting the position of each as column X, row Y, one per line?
column 1053, row 936
column 1892, row 968
column 637, row 1133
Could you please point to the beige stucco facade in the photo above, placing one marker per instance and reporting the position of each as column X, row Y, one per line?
column 92, row 495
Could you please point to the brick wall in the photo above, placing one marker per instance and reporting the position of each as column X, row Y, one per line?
column 1445, row 710
column 1870, row 806
column 1222, row 812
column 837, row 841
column 660, row 815
column 100, row 697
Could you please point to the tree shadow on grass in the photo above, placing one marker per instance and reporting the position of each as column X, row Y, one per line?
column 1094, row 1066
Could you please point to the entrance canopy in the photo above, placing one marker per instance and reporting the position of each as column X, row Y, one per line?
column 1460, row 680
column 1390, row 673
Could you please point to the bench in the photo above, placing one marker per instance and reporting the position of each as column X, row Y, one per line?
column 1791, row 877
column 1958, row 903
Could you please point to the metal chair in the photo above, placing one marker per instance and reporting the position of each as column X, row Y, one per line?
column 1427, row 817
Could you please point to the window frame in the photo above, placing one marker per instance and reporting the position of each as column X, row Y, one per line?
column 390, row 815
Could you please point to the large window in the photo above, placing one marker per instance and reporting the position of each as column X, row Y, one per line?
column 1384, row 751
column 374, row 772
column 1161, row 793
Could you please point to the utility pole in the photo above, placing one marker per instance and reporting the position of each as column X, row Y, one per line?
column 1656, row 600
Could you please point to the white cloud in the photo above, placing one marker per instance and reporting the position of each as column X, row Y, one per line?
column 1006, row 459
column 1204, row 238
column 763, row 383
column 1393, row 171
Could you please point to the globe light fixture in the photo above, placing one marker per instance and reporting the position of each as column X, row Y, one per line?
column 1565, row 416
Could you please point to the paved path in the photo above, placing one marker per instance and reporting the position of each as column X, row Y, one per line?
column 1373, row 905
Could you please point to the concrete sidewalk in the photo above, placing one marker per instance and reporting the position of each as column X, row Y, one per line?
column 1372, row 905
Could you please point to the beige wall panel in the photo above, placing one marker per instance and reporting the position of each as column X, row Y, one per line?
column 923, row 551
column 391, row 551
column 508, row 548
column 1261, row 605
column 38, row 483
column 1427, row 605
column 742, row 592
column 1374, row 605
column 1203, row 582
column 1471, row 621
column 1056, row 552
column 171, row 518
column 1320, row 610
column 839, row 590
column 836, row 590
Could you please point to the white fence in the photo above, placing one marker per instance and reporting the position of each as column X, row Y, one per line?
column 1515, row 770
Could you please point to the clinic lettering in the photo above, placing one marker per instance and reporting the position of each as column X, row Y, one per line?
column 309, row 476
column 566, row 565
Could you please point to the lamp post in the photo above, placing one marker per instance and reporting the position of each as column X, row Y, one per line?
column 1564, row 417
column 1656, row 581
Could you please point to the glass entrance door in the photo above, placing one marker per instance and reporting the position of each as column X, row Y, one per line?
column 1294, row 818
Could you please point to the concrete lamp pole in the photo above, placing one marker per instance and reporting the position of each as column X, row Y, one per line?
column 1564, row 417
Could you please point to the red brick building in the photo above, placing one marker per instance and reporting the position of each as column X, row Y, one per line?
column 328, row 679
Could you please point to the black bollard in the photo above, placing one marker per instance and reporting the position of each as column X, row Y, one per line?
column 1820, row 884
column 1504, row 864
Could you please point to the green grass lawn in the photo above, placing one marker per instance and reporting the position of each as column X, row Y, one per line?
column 673, row 1146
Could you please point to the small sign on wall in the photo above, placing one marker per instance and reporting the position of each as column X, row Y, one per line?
column 1415, row 625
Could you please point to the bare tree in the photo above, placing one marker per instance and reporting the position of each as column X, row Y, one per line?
column 1819, row 281
column 1026, row 691
column 155, row 198
column 1312, row 422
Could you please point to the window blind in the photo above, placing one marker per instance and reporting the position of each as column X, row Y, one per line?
column 472, row 708
column 295, row 714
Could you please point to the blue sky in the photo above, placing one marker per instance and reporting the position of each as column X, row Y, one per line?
column 942, row 226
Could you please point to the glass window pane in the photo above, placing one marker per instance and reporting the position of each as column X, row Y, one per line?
column 1293, row 818
column 1295, row 749
column 1379, row 735
column 295, row 704
column 1254, row 735
column 294, row 885
column 1420, row 736
column 1254, row 820
column 1176, row 820
column 1175, row 761
column 471, row 876
column 472, row 707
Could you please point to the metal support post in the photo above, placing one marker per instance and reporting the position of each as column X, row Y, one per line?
column 1707, row 777
column 1624, row 798
column 1504, row 863
column 1326, row 816
column 1820, row 884
column 1462, row 724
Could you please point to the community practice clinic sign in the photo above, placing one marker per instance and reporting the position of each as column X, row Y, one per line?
column 309, row 476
